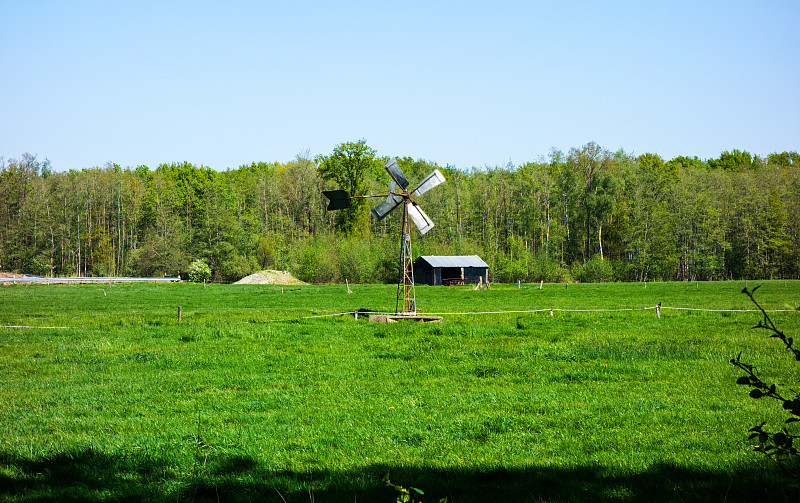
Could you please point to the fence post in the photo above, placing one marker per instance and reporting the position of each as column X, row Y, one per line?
column 658, row 311
column 180, row 309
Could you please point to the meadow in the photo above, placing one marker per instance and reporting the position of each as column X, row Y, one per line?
column 257, row 394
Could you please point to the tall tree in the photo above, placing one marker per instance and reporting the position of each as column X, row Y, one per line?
column 348, row 166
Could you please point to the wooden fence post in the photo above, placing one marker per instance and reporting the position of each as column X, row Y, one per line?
column 180, row 309
column 658, row 311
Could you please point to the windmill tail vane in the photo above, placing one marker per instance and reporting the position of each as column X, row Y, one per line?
column 398, row 195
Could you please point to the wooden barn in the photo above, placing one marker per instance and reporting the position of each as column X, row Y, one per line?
column 450, row 270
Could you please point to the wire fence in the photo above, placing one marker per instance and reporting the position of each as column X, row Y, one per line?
column 28, row 278
column 552, row 310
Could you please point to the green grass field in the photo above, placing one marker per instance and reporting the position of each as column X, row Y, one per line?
column 247, row 398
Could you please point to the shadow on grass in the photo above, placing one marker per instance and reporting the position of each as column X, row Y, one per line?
column 93, row 477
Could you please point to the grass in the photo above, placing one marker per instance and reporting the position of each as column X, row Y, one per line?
column 246, row 399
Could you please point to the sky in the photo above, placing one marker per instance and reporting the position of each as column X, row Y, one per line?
column 458, row 83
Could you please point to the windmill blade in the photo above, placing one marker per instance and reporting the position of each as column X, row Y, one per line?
column 430, row 182
column 392, row 201
column 338, row 199
column 421, row 220
column 396, row 173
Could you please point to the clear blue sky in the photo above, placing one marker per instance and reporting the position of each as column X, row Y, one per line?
column 458, row 82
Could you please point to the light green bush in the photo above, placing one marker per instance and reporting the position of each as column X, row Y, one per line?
column 199, row 271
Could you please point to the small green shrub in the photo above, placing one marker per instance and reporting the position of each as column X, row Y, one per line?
column 236, row 267
column 596, row 270
column 545, row 269
column 407, row 494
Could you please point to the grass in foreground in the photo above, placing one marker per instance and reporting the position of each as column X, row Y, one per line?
column 245, row 400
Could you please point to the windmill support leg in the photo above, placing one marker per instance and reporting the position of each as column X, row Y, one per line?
column 406, row 297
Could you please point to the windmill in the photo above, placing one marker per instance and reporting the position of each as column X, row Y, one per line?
column 398, row 195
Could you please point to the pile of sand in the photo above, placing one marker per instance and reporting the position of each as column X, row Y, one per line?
column 270, row 277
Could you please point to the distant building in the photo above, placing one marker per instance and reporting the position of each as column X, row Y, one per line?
column 450, row 270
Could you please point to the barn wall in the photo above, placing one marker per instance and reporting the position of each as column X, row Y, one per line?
column 424, row 273
column 474, row 274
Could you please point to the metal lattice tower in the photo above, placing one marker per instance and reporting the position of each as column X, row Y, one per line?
column 406, row 296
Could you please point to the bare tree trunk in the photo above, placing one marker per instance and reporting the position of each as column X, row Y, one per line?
column 600, row 237
column 458, row 205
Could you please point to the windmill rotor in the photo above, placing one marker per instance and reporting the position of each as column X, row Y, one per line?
column 398, row 195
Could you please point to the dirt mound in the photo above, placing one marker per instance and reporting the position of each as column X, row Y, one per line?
column 270, row 277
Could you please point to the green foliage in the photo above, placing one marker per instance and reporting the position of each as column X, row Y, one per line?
column 348, row 166
column 38, row 265
column 595, row 270
column 236, row 266
column 651, row 218
column 544, row 268
column 736, row 160
column 266, row 253
column 686, row 163
column 159, row 255
column 407, row 494
column 784, row 159
column 510, row 271
column 779, row 446
column 199, row 271
column 309, row 265
column 334, row 258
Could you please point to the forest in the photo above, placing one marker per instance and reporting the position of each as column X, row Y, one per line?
column 586, row 215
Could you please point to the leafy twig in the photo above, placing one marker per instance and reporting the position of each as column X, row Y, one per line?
column 777, row 446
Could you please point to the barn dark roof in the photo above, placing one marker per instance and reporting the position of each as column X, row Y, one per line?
column 454, row 260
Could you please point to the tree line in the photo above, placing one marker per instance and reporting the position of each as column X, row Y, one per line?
column 589, row 214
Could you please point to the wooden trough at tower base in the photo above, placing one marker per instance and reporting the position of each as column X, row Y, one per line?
column 392, row 318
